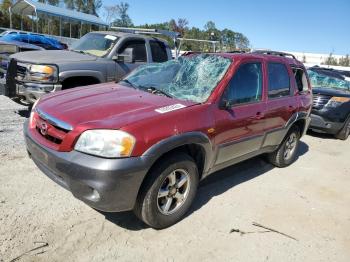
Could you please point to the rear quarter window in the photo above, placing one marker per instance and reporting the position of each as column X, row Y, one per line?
column 279, row 81
column 300, row 79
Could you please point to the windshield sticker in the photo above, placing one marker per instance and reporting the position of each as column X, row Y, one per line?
column 111, row 37
column 170, row 108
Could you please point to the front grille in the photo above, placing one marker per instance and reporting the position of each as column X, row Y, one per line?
column 52, row 139
column 21, row 71
column 10, row 89
column 51, row 128
column 319, row 101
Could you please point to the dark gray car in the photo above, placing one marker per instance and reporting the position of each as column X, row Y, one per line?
column 95, row 58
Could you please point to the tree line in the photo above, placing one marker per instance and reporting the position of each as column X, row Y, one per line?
column 343, row 61
column 228, row 40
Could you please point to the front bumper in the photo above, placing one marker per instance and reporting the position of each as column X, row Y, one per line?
column 318, row 123
column 30, row 92
column 109, row 185
column 2, row 84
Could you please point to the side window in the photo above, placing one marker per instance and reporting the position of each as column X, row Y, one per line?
column 139, row 50
column 300, row 79
column 279, row 82
column 159, row 52
column 246, row 84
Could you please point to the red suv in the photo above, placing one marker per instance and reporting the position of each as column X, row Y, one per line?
column 145, row 143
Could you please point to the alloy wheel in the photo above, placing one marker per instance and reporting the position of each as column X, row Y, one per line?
column 290, row 146
column 173, row 191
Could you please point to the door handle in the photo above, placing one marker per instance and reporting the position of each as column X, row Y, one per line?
column 259, row 115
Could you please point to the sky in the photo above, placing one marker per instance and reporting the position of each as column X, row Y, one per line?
column 316, row 26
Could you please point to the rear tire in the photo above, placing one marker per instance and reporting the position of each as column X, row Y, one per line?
column 168, row 191
column 287, row 151
column 345, row 131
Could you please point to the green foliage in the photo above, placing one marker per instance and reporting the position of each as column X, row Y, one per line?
column 228, row 39
column 123, row 18
column 331, row 60
column 344, row 61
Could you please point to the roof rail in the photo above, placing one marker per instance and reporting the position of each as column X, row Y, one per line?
column 147, row 31
column 270, row 52
column 176, row 37
column 236, row 52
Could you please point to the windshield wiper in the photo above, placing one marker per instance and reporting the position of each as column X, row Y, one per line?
column 129, row 83
column 153, row 90
column 80, row 51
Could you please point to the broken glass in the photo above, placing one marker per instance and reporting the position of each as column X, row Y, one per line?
column 326, row 81
column 188, row 78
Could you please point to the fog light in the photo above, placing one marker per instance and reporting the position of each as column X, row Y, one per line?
column 95, row 196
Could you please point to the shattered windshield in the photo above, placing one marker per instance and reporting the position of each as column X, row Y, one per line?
column 187, row 78
column 328, row 79
column 95, row 44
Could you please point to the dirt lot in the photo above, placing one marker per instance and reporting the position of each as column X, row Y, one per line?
column 309, row 201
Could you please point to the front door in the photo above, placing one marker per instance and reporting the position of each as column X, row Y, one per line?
column 240, row 128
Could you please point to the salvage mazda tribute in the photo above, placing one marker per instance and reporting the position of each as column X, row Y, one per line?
column 145, row 143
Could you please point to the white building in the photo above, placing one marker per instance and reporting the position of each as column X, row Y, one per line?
column 312, row 58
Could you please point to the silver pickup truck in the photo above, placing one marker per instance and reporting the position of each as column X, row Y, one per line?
column 95, row 58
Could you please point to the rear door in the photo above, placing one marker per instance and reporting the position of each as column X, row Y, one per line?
column 282, row 103
column 140, row 56
column 240, row 129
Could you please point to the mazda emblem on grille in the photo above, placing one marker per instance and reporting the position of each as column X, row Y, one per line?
column 43, row 129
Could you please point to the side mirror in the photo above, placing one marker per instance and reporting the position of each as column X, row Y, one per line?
column 226, row 104
column 127, row 56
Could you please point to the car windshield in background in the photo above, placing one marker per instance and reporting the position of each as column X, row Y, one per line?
column 95, row 44
column 187, row 78
column 322, row 78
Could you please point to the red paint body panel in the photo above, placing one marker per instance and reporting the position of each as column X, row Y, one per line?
column 113, row 106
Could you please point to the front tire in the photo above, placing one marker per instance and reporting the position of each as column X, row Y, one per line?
column 345, row 131
column 168, row 191
column 287, row 152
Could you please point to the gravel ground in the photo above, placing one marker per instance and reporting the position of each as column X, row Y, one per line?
column 40, row 221
column 12, row 116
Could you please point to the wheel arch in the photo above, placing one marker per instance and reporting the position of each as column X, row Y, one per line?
column 75, row 81
column 196, row 144
column 85, row 76
column 301, row 120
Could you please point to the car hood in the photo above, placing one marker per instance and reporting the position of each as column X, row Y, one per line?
column 52, row 56
column 20, row 44
column 105, row 106
column 331, row 92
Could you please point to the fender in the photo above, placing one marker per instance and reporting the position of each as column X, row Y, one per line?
column 168, row 144
column 76, row 73
column 299, row 116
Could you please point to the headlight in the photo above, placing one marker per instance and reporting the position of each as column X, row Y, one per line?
column 337, row 101
column 106, row 143
column 31, row 117
column 42, row 73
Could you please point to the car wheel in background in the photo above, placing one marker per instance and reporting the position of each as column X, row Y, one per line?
column 345, row 131
column 168, row 191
